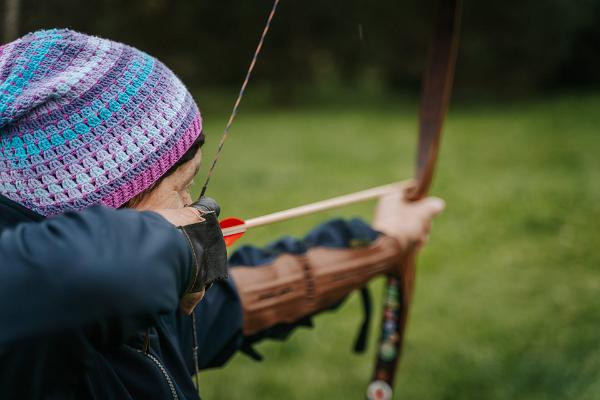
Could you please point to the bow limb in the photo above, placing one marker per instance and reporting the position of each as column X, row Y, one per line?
column 435, row 95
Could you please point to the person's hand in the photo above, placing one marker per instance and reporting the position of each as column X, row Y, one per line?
column 190, row 214
column 185, row 218
column 181, row 216
column 198, row 222
column 409, row 222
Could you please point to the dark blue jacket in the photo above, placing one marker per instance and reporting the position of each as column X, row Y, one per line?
column 80, row 293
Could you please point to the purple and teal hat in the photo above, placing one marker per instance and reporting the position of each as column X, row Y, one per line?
column 85, row 121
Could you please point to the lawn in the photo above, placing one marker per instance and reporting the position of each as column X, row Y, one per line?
column 507, row 303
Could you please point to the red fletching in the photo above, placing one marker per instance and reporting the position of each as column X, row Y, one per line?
column 231, row 239
column 231, row 222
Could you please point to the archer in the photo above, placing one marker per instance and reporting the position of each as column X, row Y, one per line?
column 96, row 295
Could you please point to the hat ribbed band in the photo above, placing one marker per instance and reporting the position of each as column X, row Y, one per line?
column 159, row 165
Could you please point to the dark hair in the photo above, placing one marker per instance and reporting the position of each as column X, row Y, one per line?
column 187, row 156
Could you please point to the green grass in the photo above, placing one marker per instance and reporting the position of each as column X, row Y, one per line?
column 507, row 303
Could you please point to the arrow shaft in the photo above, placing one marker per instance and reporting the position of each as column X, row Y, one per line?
column 318, row 206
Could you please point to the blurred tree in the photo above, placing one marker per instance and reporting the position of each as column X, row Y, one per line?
column 508, row 47
column 11, row 19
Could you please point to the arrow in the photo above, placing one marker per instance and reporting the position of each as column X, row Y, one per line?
column 234, row 228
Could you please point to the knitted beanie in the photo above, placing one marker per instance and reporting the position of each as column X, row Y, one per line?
column 87, row 121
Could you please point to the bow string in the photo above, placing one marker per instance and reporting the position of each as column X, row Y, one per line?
column 238, row 100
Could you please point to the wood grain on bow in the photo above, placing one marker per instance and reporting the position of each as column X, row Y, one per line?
column 437, row 86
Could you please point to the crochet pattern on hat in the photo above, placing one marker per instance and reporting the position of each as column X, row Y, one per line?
column 87, row 121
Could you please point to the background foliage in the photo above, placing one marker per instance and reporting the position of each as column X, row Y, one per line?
column 508, row 47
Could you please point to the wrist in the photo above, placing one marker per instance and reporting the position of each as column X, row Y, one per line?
column 404, row 243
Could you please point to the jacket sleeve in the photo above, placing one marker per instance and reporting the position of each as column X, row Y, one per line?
column 219, row 316
column 77, row 269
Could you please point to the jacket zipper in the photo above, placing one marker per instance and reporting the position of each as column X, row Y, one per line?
column 163, row 370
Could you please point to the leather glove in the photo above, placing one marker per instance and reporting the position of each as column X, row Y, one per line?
column 208, row 247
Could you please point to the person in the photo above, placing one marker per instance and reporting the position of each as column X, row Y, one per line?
column 103, row 252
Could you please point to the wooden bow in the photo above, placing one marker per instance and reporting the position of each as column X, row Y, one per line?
column 437, row 86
